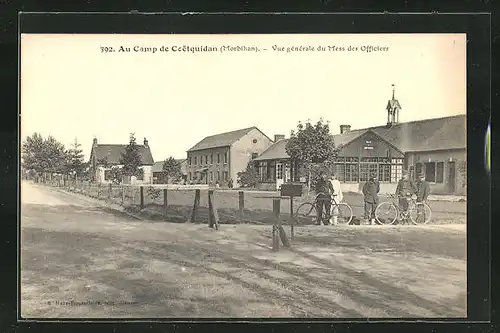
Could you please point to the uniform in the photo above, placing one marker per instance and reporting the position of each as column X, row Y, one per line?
column 370, row 191
column 405, row 188
column 324, row 198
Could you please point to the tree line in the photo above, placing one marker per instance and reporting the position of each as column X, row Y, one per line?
column 49, row 156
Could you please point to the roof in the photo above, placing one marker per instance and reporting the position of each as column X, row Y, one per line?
column 113, row 153
column 427, row 135
column 275, row 151
column 223, row 139
column 415, row 136
column 158, row 166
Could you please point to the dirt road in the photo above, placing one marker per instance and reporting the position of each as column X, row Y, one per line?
column 79, row 261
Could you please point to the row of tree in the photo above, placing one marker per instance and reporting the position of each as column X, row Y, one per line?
column 47, row 155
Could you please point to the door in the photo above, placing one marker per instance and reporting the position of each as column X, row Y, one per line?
column 279, row 175
column 451, row 177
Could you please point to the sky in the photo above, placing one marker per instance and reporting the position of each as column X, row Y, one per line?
column 71, row 89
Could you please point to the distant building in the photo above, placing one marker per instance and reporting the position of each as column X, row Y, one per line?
column 105, row 156
column 159, row 176
column 220, row 157
column 435, row 147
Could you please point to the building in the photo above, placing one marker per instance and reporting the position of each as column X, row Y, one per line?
column 160, row 178
column 435, row 147
column 220, row 157
column 105, row 156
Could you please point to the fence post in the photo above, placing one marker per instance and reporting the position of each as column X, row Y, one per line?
column 110, row 190
column 241, row 201
column 165, row 203
column 292, row 219
column 196, row 205
column 213, row 216
column 276, row 211
column 142, row 197
column 123, row 194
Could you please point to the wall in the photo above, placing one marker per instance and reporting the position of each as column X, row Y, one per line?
column 458, row 156
column 242, row 150
column 380, row 148
column 148, row 175
column 212, row 167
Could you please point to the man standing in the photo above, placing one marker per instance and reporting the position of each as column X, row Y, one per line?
column 423, row 191
column 370, row 191
column 323, row 197
column 405, row 189
column 336, row 192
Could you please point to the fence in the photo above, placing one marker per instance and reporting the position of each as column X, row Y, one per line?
column 175, row 203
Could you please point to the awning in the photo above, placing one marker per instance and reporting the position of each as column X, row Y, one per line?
column 202, row 170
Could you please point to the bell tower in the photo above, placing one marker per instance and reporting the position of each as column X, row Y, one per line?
column 393, row 108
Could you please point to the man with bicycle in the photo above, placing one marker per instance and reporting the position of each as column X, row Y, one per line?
column 405, row 189
column 336, row 193
column 423, row 190
column 322, row 189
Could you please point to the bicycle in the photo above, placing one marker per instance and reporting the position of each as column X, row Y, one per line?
column 307, row 213
column 388, row 212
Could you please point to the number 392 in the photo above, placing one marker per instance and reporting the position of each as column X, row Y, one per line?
column 105, row 49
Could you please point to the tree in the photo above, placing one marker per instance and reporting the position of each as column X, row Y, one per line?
column 250, row 176
column 171, row 169
column 44, row 155
column 312, row 148
column 131, row 159
column 76, row 164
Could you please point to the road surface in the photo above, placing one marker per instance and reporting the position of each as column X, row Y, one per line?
column 78, row 260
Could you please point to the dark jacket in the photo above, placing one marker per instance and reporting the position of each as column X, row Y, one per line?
column 370, row 191
column 423, row 190
column 321, row 186
column 404, row 187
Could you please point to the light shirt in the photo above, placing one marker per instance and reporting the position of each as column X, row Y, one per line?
column 337, row 190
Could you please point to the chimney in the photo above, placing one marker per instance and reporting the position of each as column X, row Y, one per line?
column 345, row 128
column 94, row 143
column 145, row 142
column 278, row 137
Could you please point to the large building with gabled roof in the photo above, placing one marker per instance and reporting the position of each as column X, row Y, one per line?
column 435, row 147
column 219, row 157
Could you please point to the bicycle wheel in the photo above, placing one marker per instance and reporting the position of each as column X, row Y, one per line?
column 386, row 213
column 343, row 212
column 420, row 213
column 306, row 214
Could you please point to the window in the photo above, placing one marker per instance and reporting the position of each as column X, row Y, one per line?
column 384, row 172
column 263, row 171
column 412, row 172
column 195, row 160
column 368, row 167
column 189, row 176
column 206, row 159
column 218, row 158
column 351, row 172
column 211, row 158
column 211, row 176
column 271, row 171
column 189, row 160
column 439, row 172
column 107, row 175
column 430, row 172
column 225, row 176
column 396, row 172
column 339, row 170
column 218, row 175
column 225, row 157
column 418, row 169
column 279, row 171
